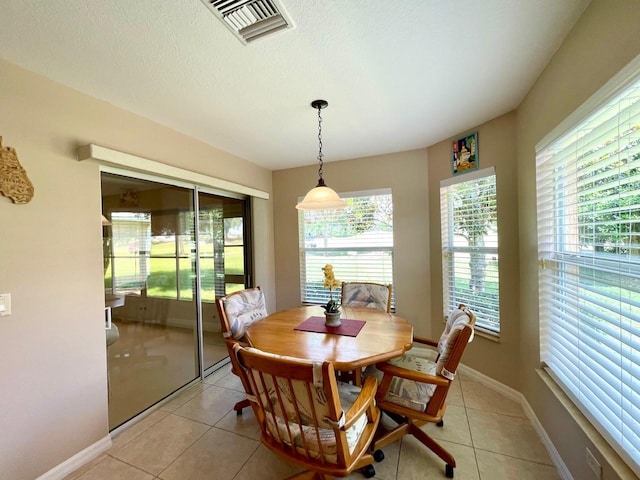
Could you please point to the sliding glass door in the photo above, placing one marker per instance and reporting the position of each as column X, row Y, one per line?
column 165, row 261
column 223, row 261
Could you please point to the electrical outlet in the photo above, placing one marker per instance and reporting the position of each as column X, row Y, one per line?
column 594, row 464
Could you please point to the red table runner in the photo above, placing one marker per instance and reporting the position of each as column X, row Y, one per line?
column 350, row 328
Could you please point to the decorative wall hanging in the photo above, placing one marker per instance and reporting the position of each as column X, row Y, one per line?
column 465, row 154
column 14, row 182
column 129, row 199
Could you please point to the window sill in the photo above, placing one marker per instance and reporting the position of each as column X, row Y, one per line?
column 494, row 337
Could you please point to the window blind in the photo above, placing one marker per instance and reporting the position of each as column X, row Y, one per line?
column 357, row 241
column 470, row 246
column 588, row 190
column 130, row 250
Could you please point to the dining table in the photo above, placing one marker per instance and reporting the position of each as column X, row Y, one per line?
column 380, row 336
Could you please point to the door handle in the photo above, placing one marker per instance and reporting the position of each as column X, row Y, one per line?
column 108, row 314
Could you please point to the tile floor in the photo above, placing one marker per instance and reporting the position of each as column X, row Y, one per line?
column 197, row 435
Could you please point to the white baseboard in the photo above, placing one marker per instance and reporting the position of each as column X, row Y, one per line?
column 516, row 396
column 501, row 388
column 563, row 471
column 79, row 459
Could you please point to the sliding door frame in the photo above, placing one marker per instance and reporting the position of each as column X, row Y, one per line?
column 247, row 248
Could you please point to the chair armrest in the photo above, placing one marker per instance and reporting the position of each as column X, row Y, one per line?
column 365, row 400
column 231, row 342
column 426, row 341
column 396, row 371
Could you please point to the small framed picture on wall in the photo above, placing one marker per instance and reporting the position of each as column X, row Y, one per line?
column 465, row 154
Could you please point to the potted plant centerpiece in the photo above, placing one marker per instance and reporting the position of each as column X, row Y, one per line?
column 332, row 308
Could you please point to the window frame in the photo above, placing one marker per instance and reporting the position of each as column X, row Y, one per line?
column 565, row 265
column 487, row 310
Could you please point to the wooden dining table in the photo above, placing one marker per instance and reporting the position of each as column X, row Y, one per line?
column 383, row 336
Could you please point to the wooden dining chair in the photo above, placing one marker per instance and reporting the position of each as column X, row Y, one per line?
column 413, row 389
column 366, row 295
column 237, row 311
column 307, row 417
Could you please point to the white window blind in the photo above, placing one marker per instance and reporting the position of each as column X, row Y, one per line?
column 588, row 188
column 129, row 252
column 357, row 241
column 470, row 246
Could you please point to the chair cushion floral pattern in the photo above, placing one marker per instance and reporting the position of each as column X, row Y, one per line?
column 416, row 395
column 292, row 404
column 405, row 392
column 365, row 295
column 242, row 309
column 322, row 442
column 458, row 319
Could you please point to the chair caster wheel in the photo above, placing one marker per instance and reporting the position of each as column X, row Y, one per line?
column 378, row 455
column 440, row 423
column 368, row 471
column 448, row 470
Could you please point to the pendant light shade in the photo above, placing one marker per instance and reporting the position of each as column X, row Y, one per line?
column 321, row 197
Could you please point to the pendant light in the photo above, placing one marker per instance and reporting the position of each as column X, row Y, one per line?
column 321, row 197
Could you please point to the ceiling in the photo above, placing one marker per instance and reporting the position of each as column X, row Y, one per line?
column 398, row 74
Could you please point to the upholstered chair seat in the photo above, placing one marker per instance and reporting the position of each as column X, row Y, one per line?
column 327, row 438
column 413, row 387
column 306, row 416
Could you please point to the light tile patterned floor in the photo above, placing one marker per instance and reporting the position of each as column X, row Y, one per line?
column 197, row 435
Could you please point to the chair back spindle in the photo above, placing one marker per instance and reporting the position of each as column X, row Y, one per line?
column 304, row 415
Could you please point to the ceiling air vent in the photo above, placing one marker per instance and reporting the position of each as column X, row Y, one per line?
column 250, row 20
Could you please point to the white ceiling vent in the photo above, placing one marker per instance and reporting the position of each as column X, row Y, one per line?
column 250, row 20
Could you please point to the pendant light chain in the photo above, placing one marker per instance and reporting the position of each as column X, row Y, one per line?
column 320, row 143
column 321, row 197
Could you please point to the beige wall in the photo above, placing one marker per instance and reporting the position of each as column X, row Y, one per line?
column 406, row 174
column 53, row 383
column 605, row 39
column 496, row 148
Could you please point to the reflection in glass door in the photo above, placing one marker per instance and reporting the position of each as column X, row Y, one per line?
column 223, row 263
column 150, row 285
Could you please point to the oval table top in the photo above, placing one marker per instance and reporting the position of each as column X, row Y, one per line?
column 383, row 336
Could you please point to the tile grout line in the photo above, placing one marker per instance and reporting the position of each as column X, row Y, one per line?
column 473, row 446
column 255, row 451
column 185, row 450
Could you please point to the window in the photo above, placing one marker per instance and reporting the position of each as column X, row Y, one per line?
column 149, row 255
column 130, row 242
column 223, row 245
column 150, row 246
column 357, row 241
column 588, row 184
column 470, row 246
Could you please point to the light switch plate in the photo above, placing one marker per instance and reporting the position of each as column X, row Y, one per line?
column 5, row 304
